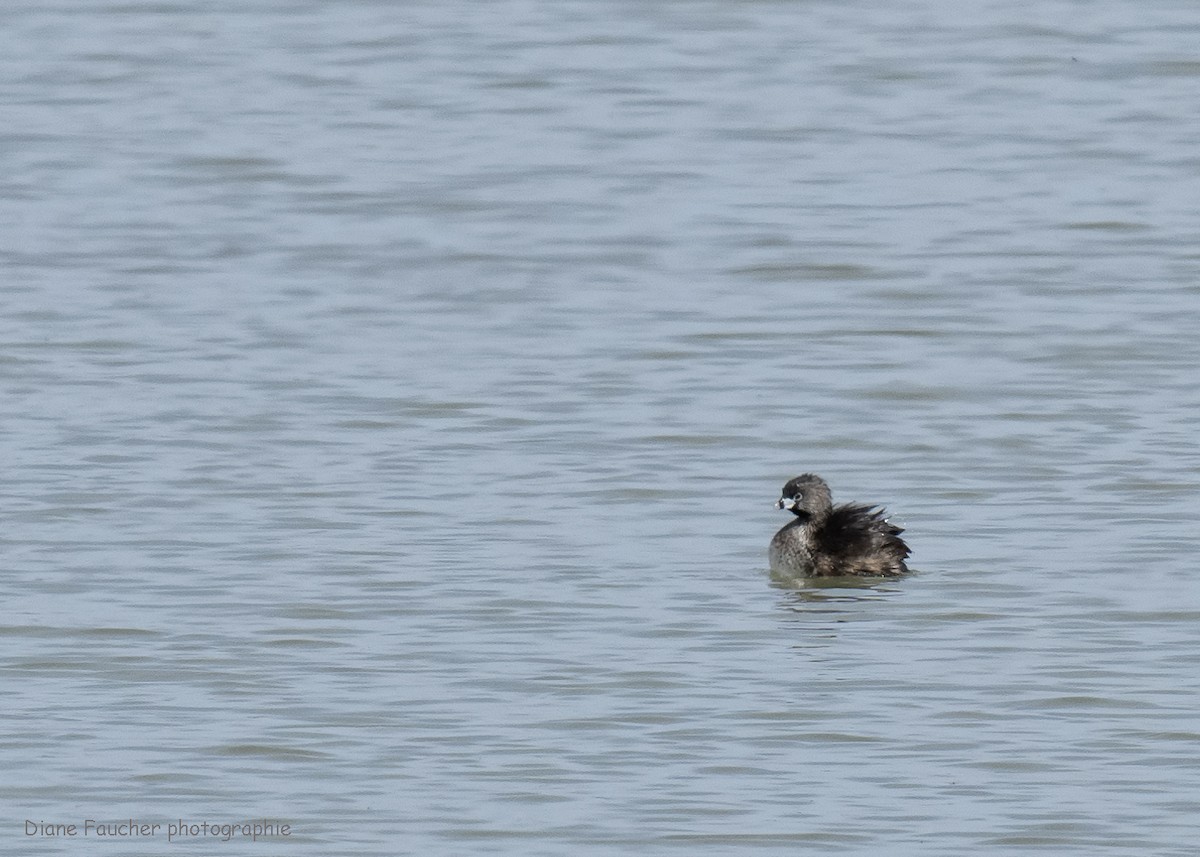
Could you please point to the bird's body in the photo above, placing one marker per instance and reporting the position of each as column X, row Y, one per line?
column 848, row 540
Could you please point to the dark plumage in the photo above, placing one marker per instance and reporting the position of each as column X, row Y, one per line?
column 848, row 540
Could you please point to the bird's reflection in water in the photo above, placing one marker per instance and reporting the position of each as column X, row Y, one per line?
column 821, row 607
column 802, row 593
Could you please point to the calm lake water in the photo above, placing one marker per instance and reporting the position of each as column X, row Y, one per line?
column 395, row 395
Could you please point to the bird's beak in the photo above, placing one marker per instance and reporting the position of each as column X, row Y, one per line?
column 785, row 503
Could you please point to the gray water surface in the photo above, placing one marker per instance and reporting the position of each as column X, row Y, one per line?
column 395, row 396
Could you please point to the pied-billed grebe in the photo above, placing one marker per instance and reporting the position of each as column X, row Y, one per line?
column 825, row 540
